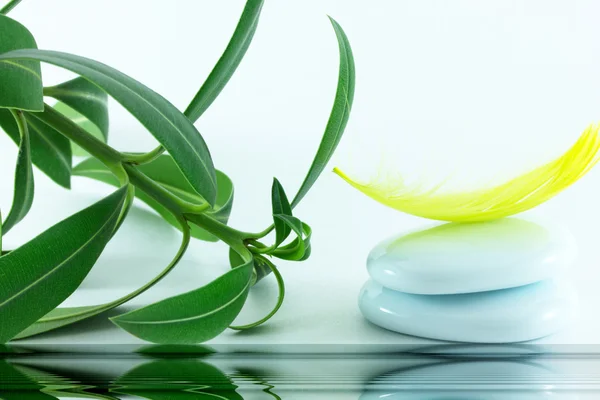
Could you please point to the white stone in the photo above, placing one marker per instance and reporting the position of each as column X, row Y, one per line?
column 499, row 316
column 465, row 258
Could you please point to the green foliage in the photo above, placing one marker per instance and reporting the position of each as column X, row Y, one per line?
column 182, row 186
column 192, row 317
column 23, row 193
column 35, row 280
column 84, row 103
column 20, row 80
column 50, row 151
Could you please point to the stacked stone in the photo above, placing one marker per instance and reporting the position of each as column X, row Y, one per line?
column 491, row 282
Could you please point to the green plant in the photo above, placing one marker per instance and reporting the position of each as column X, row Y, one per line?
column 177, row 179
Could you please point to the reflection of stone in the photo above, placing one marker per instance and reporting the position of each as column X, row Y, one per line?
column 469, row 380
column 489, row 282
column 464, row 258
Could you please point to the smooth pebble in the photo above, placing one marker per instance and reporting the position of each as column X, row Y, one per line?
column 466, row 258
column 499, row 316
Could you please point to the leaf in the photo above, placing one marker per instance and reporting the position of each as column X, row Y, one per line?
column 50, row 151
column 192, row 317
column 9, row 6
column 85, row 104
column 23, row 193
column 83, row 123
column 262, row 264
column 338, row 117
column 299, row 249
column 20, row 81
column 38, row 276
column 85, row 98
column 168, row 125
column 281, row 205
column 59, row 317
column 260, row 268
column 164, row 171
column 229, row 61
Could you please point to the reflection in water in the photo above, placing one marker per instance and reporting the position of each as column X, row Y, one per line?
column 441, row 372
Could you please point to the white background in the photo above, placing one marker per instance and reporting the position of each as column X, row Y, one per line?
column 472, row 90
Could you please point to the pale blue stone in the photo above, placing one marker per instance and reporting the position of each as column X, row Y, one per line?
column 499, row 316
column 465, row 258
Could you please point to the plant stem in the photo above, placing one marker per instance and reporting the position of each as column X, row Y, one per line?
column 109, row 156
column 145, row 158
column 127, row 172
column 171, row 202
column 230, row 236
column 9, row 6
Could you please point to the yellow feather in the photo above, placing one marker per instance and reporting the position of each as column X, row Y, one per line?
column 514, row 196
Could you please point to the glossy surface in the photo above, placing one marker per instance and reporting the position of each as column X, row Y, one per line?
column 501, row 316
column 465, row 258
column 524, row 379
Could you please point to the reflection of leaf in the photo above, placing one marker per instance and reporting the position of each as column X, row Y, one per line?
column 14, row 385
column 48, row 380
column 26, row 395
column 257, row 376
column 79, row 394
column 176, row 379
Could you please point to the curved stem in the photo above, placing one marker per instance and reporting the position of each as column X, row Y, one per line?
column 97, row 148
column 173, row 203
column 281, row 286
column 9, row 6
column 230, row 236
column 185, row 241
column 144, row 158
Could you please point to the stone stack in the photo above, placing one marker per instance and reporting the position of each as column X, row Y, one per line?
column 491, row 282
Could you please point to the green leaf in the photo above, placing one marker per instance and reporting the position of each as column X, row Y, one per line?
column 20, row 81
column 84, row 123
column 170, row 127
column 50, row 151
column 262, row 264
column 229, row 61
column 9, row 6
column 86, row 99
column 59, row 317
column 338, row 117
column 192, row 376
column 281, row 205
column 164, row 171
column 23, row 193
column 38, row 276
column 192, row 317
column 261, row 269
column 299, row 249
